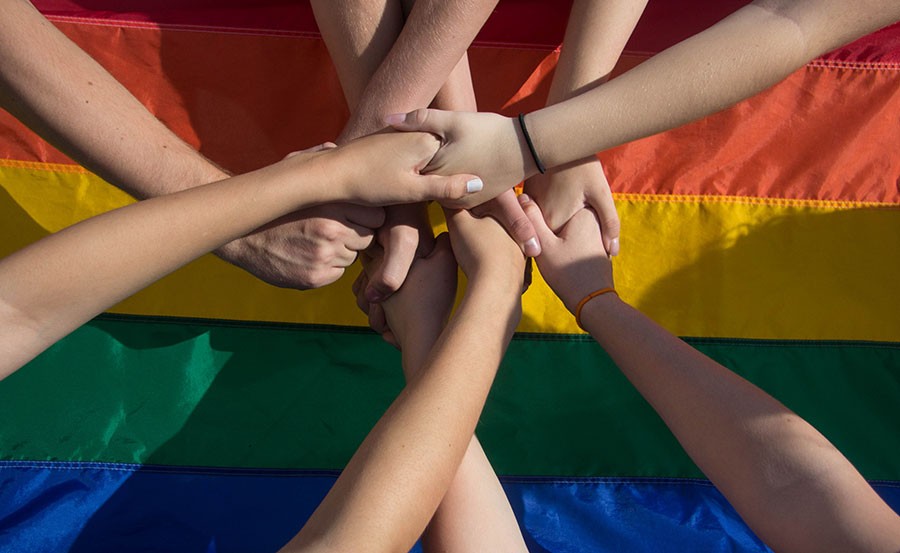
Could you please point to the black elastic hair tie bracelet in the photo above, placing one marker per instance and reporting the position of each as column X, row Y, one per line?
column 534, row 155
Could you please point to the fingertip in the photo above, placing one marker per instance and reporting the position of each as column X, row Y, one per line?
column 613, row 249
column 473, row 185
column 394, row 119
column 532, row 247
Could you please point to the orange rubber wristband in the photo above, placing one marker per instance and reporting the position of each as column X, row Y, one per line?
column 588, row 298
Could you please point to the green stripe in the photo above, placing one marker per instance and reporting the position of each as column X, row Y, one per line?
column 189, row 392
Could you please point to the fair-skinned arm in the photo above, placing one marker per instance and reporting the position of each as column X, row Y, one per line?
column 394, row 482
column 61, row 93
column 52, row 286
column 750, row 50
column 393, row 55
column 474, row 514
column 788, row 482
column 595, row 37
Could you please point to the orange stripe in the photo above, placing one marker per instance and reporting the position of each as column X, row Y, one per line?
column 231, row 96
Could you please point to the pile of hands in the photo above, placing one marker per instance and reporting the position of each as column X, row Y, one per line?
column 469, row 162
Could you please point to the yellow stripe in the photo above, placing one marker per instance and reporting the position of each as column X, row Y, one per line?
column 701, row 268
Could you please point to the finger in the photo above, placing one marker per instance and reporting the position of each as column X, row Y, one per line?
column 449, row 191
column 600, row 198
column 584, row 229
column 359, row 238
column 344, row 257
column 507, row 210
column 425, row 120
column 369, row 217
column 533, row 212
column 399, row 251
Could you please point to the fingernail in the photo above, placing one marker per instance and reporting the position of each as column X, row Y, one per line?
column 614, row 247
column 474, row 185
column 394, row 118
column 523, row 199
column 532, row 248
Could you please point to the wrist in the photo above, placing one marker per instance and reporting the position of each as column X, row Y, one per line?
column 529, row 162
column 596, row 310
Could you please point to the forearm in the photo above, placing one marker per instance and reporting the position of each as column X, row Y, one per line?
column 54, row 285
column 474, row 514
column 55, row 88
column 392, row 485
column 745, row 53
column 785, row 479
column 595, row 37
column 433, row 40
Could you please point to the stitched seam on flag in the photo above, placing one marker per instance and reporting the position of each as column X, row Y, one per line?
column 281, row 473
column 165, row 469
column 147, row 25
column 749, row 200
column 854, row 65
column 42, row 166
column 518, row 336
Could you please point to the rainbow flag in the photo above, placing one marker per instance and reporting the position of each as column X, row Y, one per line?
column 211, row 412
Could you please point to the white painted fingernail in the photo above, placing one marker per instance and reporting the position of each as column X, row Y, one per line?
column 474, row 185
column 532, row 248
column 614, row 247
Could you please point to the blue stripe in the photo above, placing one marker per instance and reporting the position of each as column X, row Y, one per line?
column 102, row 507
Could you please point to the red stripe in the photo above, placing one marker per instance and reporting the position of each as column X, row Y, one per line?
column 825, row 133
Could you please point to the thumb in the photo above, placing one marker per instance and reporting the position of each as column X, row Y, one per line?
column 508, row 211
column 399, row 252
column 424, row 120
column 602, row 202
column 451, row 191
column 534, row 214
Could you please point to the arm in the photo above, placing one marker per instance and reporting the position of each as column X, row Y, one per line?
column 595, row 37
column 745, row 53
column 394, row 482
column 386, row 64
column 61, row 93
column 474, row 514
column 792, row 487
column 50, row 287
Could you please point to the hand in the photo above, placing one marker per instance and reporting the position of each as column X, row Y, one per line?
column 484, row 251
column 405, row 235
column 565, row 191
column 421, row 307
column 385, row 169
column 507, row 211
column 489, row 144
column 573, row 262
column 307, row 249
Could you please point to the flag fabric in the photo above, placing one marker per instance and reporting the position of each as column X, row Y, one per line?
column 211, row 412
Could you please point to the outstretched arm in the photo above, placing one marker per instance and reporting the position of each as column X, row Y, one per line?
column 474, row 514
column 394, row 482
column 745, row 53
column 61, row 93
column 50, row 287
column 65, row 96
column 791, row 486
